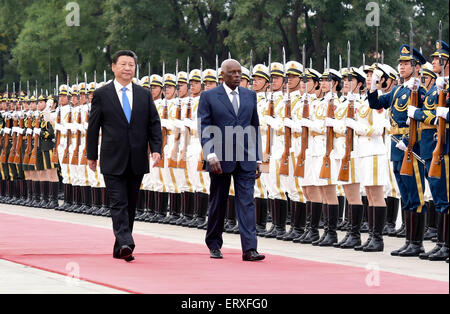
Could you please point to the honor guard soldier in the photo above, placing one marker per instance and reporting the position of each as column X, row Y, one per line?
column 65, row 140
column 3, row 118
column 411, row 186
column 200, row 179
column 297, row 201
column 428, row 117
column 261, row 81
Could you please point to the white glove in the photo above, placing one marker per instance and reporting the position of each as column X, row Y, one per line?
column 306, row 123
column 442, row 112
column 165, row 123
column 29, row 131
column 7, row 130
column 330, row 123
column 401, row 145
column 411, row 111
column 37, row 131
column 387, row 125
column 351, row 97
column 270, row 121
column 15, row 129
column 190, row 124
column 328, row 97
column 351, row 123
column 289, row 123
column 375, row 80
column 413, row 83
column 20, row 131
column 178, row 124
column 408, row 121
column 441, row 82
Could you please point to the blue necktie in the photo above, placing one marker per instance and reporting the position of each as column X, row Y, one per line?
column 235, row 102
column 126, row 104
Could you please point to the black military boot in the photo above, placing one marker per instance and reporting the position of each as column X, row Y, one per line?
column 261, row 206
column 203, row 203
column 45, row 189
column 53, row 200
column 68, row 197
column 194, row 221
column 308, row 209
column 401, row 233
column 29, row 199
column 443, row 253
column 407, row 234
column 76, row 200
column 298, row 221
column 23, row 193
column 348, row 229
column 431, row 228
column 36, row 194
column 354, row 238
column 230, row 218
column 325, row 225
column 279, row 219
column 341, row 217
column 377, row 243
column 86, row 192
column 104, row 209
column 370, row 223
column 271, row 213
column 440, row 238
column 151, row 201
column 333, row 216
column 2, row 190
column 140, row 206
column 392, row 204
column 415, row 247
column 188, row 209
column 177, row 209
column 365, row 225
column 96, row 197
column 313, row 233
column 162, row 204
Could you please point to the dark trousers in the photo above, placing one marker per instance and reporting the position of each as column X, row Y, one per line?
column 412, row 188
column 123, row 192
column 244, row 183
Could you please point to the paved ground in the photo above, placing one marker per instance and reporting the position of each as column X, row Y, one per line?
column 16, row 278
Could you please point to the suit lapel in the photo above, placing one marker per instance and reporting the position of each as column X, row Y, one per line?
column 116, row 102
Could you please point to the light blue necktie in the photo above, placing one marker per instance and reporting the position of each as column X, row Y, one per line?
column 235, row 102
column 126, row 104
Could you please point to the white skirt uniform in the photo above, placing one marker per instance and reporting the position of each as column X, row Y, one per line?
column 371, row 150
column 317, row 149
column 261, row 183
column 275, row 186
column 292, row 184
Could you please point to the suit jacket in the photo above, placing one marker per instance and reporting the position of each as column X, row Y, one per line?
column 233, row 138
column 123, row 142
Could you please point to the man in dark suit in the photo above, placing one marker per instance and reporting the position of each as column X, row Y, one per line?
column 130, row 124
column 230, row 137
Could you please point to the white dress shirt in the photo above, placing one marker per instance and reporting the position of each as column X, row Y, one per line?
column 230, row 96
column 129, row 92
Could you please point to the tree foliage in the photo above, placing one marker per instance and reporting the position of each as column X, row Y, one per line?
column 36, row 43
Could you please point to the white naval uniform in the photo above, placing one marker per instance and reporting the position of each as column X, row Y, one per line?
column 275, row 187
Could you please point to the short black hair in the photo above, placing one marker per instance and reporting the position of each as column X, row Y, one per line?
column 121, row 53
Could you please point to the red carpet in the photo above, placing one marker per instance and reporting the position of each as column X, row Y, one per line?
column 174, row 267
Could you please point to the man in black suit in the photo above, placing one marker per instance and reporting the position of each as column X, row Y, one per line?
column 130, row 124
column 230, row 138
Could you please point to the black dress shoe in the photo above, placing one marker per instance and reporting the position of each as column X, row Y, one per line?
column 130, row 259
column 215, row 253
column 125, row 252
column 252, row 256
